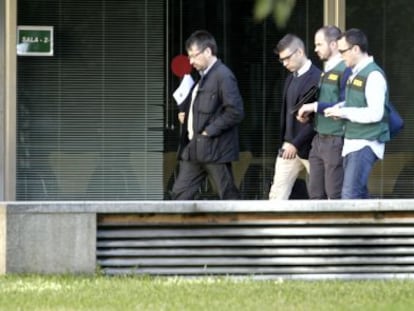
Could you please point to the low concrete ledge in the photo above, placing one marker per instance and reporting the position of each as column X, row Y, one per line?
column 61, row 236
column 180, row 207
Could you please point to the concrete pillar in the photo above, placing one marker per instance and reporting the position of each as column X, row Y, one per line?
column 50, row 243
column 2, row 239
column 334, row 13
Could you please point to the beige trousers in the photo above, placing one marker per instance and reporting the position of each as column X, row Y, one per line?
column 286, row 172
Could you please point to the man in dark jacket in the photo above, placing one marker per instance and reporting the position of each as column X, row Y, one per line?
column 210, row 116
column 296, row 137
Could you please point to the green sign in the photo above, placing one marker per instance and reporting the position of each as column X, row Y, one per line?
column 35, row 40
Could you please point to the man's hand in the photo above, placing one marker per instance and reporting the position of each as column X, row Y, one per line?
column 305, row 111
column 303, row 119
column 181, row 117
column 289, row 151
column 333, row 112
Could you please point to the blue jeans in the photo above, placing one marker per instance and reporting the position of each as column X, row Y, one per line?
column 357, row 167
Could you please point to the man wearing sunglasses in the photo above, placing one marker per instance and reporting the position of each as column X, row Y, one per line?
column 366, row 129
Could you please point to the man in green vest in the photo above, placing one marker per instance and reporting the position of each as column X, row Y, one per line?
column 366, row 127
column 325, row 157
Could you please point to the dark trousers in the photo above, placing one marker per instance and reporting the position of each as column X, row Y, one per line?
column 192, row 174
column 326, row 167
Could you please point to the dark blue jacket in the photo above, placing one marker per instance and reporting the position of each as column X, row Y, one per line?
column 218, row 110
column 302, row 132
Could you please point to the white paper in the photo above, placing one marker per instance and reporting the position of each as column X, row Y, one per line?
column 181, row 93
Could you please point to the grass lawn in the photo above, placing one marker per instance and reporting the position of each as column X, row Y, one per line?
column 149, row 293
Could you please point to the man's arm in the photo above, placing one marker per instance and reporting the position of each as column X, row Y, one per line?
column 319, row 107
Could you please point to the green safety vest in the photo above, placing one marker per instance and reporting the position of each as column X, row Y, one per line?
column 355, row 97
column 329, row 89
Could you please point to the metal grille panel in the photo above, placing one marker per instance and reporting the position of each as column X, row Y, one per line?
column 318, row 245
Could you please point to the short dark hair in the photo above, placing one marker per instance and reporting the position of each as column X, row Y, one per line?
column 331, row 33
column 202, row 39
column 289, row 41
column 355, row 36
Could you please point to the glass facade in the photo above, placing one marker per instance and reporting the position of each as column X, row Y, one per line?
column 98, row 121
column 90, row 118
column 247, row 47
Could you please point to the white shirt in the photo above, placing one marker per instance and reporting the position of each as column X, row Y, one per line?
column 375, row 92
column 332, row 62
column 302, row 70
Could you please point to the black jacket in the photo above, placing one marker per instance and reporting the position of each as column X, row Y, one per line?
column 302, row 132
column 218, row 110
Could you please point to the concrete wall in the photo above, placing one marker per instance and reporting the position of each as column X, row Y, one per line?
column 61, row 237
column 57, row 242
